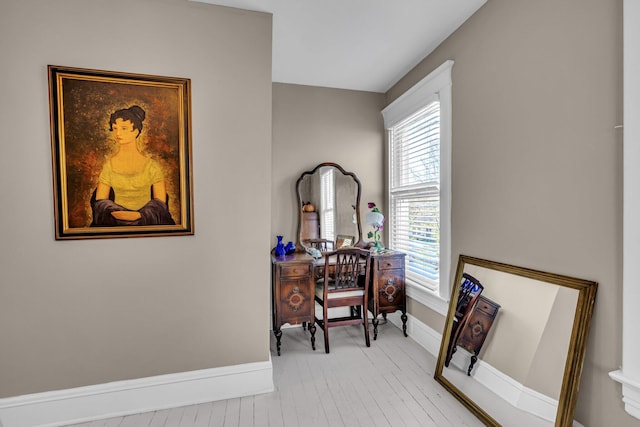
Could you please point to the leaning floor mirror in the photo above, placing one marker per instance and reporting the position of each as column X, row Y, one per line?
column 514, row 342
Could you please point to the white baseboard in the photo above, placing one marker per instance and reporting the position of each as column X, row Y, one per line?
column 630, row 392
column 517, row 394
column 421, row 333
column 82, row 404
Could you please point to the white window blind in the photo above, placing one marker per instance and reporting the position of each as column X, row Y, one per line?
column 415, row 193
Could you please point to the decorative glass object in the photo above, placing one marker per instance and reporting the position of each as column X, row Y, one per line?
column 280, row 250
column 375, row 219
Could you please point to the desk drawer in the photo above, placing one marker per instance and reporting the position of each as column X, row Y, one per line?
column 487, row 307
column 390, row 263
column 389, row 287
column 301, row 270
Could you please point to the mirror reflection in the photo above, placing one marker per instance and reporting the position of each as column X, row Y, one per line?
column 514, row 342
column 329, row 208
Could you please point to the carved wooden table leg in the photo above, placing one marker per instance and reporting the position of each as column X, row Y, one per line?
column 312, row 329
column 404, row 324
column 375, row 327
column 278, row 334
column 474, row 359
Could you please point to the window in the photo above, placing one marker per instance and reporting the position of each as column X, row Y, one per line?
column 419, row 136
column 327, row 203
column 414, row 193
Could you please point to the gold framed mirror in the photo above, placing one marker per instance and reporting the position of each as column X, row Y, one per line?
column 514, row 342
column 328, row 207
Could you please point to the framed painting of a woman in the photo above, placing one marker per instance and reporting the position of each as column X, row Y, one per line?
column 121, row 152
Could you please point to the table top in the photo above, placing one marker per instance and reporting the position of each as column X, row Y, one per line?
column 303, row 257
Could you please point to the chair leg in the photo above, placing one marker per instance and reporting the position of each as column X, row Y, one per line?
column 325, row 329
column 326, row 339
column 365, row 315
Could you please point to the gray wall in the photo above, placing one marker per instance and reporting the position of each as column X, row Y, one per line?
column 312, row 125
column 75, row 313
column 537, row 163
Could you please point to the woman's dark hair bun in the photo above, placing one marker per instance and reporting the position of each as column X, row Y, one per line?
column 135, row 114
column 138, row 112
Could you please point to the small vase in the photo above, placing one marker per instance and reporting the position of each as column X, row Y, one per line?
column 280, row 250
column 290, row 248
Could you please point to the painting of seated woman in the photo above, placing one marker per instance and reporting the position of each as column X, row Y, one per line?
column 121, row 149
column 131, row 188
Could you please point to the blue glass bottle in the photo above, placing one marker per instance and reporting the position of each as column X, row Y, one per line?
column 290, row 248
column 280, row 250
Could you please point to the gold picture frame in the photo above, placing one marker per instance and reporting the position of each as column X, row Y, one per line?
column 343, row 241
column 121, row 154
column 529, row 368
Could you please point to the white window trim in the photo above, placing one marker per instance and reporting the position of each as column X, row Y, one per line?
column 629, row 373
column 436, row 85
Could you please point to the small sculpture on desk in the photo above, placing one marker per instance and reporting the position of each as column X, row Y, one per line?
column 280, row 249
column 315, row 253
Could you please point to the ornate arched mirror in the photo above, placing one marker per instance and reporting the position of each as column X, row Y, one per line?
column 517, row 359
column 328, row 208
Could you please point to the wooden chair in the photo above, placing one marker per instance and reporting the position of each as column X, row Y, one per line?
column 345, row 284
column 470, row 290
column 323, row 245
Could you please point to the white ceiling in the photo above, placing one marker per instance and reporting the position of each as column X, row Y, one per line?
column 363, row 45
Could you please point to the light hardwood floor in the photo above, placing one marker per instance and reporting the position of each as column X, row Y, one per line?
column 388, row 384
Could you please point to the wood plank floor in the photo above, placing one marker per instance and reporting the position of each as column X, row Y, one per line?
column 388, row 384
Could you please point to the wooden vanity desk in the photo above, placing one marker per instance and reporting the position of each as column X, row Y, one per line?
column 335, row 217
column 293, row 279
column 475, row 332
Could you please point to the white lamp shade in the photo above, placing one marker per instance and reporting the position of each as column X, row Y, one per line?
column 375, row 219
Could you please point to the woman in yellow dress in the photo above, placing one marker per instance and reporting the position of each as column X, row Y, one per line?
column 131, row 188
